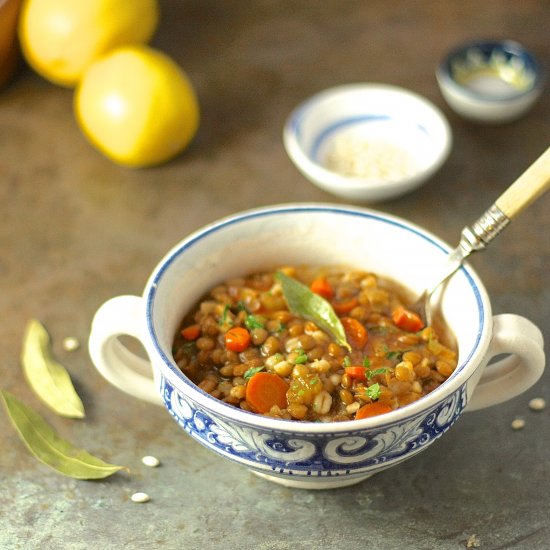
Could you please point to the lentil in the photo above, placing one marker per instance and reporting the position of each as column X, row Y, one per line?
column 316, row 353
column 271, row 344
column 326, row 382
column 204, row 343
column 238, row 392
column 226, row 371
column 346, row 397
column 259, row 336
column 283, row 368
column 404, row 371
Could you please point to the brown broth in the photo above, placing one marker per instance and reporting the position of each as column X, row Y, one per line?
column 242, row 345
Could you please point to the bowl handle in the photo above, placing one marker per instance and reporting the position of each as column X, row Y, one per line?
column 505, row 378
column 124, row 369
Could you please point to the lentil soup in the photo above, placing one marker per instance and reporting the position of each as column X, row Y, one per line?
column 363, row 355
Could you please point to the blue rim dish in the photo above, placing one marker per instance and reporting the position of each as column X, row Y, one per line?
column 511, row 53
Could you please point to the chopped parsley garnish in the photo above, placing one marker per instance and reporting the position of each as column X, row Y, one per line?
column 373, row 391
column 225, row 319
column 366, row 362
column 347, row 361
column 189, row 347
column 371, row 373
column 253, row 322
column 241, row 306
column 301, row 358
column 397, row 355
column 252, row 371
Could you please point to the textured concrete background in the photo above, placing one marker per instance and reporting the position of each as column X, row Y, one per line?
column 75, row 230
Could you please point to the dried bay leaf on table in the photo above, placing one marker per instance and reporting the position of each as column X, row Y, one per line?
column 48, row 378
column 46, row 445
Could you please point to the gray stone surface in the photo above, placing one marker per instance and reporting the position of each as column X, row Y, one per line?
column 76, row 229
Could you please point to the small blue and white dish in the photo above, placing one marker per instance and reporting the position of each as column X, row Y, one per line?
column 490, row 81
column 367, row 142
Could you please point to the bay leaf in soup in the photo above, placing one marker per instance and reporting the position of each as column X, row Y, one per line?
column 48, row 378
column 49, row 448
column 305, row 303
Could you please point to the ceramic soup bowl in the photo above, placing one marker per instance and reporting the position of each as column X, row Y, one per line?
column 308, row 454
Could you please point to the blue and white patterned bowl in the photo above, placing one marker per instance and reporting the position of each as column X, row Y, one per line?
column 308, row 454
column 490, row 81
column 367, row 142
column 319, row 456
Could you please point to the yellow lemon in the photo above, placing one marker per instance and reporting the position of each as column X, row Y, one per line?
column 60, row 38
column 137, row 106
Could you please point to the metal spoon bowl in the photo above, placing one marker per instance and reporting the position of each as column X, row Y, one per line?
column 533, row 183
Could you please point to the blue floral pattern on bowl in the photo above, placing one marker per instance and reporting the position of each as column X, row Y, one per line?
column 311, row 455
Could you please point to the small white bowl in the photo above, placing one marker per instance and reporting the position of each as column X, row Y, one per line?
column 490, row 81
column 367, row 142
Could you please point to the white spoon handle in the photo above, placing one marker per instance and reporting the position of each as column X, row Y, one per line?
column 527, row 188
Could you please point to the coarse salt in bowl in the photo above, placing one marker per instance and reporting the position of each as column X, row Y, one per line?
column 367, row 142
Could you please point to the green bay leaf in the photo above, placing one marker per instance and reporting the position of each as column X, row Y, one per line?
column 48, row 378
column 46, row 445
column 302, row 301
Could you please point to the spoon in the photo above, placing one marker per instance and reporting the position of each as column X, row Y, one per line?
column 526, row 189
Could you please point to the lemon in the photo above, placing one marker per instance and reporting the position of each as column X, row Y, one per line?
column 60, row 38
column 137, row 106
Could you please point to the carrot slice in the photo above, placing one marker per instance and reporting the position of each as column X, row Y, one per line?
column 359, row 373
column 356, row 333
column 407, row 320
column 237, row 339
column 322, row 287
column 341, row 307
column 372, row 409
column 192, row 332
column 265, row 390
